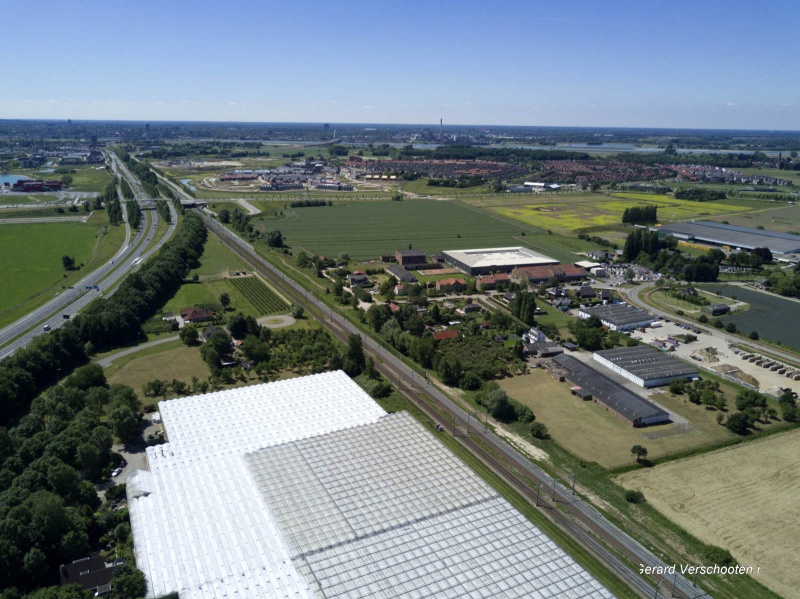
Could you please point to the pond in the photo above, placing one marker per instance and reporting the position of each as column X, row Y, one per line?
column 774, row 318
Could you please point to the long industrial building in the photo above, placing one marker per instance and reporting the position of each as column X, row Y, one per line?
column 306, row 488
column 645, row 365
column 490, row 260
column 625, row 404
column 732, row 236
column 618, row 317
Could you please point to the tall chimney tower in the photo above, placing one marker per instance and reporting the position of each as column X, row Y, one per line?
column 441, row 129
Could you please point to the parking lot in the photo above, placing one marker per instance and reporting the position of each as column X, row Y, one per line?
column 767, row 381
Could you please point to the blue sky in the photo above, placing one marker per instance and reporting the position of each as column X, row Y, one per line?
column 700, row 64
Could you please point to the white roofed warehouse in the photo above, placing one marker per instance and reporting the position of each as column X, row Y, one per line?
column 491, row 260
column 306, row 488
column 646, row 366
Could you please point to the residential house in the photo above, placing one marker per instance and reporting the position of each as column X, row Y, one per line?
column 456, row 285
column 357, row 278
column 489, row 282
column 400, row 289
column 196, row 314
column 444, row 335
column 586, row 292
column 91, row 573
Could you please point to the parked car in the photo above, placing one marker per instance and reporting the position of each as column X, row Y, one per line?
column 116, row 472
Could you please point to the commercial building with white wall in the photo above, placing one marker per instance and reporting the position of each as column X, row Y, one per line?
column 645, row 365
column 490, row 260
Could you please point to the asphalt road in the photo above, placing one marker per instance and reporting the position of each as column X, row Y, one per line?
column 106, row 278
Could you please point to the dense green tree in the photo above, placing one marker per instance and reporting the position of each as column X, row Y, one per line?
column 640, row 451
column 189, row 334
column 68, row 262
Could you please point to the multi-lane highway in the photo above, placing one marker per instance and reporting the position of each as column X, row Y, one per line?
column 608, row 543
column 101, row 282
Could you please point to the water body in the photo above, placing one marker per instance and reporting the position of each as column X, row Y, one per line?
column 11, row 179
column 186, row 183
column 761, row 315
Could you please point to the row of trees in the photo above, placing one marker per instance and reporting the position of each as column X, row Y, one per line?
column 700, row 194
column 640, row 214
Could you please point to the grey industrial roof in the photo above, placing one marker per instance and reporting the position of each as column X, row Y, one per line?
column 400, row 273
column 618, row 314
column 607, row 391
column 384, row 510
column 647, row 363
column 732, row 235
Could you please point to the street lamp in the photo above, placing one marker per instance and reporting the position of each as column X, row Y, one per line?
column 655, row 595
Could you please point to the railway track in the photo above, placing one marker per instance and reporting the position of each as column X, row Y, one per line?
column 613, row 547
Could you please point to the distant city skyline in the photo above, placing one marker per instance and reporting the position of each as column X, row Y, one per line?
column 681, row 64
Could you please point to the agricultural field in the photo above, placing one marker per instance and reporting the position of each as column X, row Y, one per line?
column 761, row 315
column 599, row 211
column 742, row 498
column 774, row 216
column 30, row 259
column 375, row 228
column 207, row 293
column 594, row 434
column 262, row 297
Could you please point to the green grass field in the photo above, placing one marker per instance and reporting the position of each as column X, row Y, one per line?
column 597, row 211
column 217, row 259
column 594, row 434
column 421, row 187
column 172, row 360
column 367, row 229
column 85, row 178
column 42, row 212
column 31, row 268
column 30, row 199
column 773, row 216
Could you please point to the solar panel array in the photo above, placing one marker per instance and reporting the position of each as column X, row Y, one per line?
column 384, row 510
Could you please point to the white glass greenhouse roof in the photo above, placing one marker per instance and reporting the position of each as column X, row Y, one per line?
column 384, row 510
column 306, row 488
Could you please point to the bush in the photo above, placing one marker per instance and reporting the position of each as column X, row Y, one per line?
column 381, row 390
column 702, row 318
column 634, row 496
column 539, row 431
